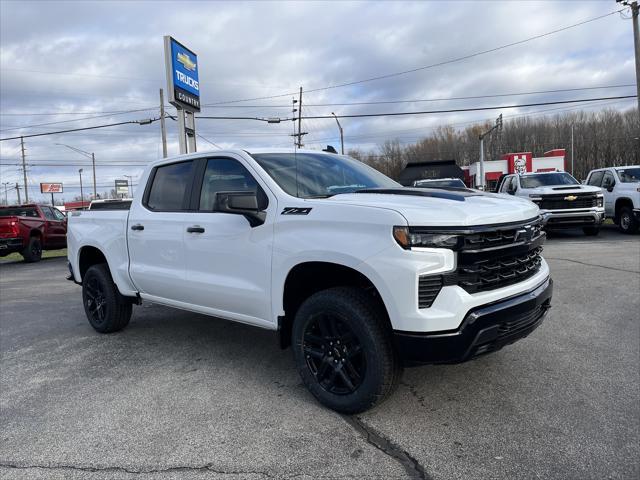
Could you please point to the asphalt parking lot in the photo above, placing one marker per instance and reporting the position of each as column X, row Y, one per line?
column 179, row 395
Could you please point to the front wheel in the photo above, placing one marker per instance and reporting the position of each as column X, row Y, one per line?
column 343, row 350
column 591, row 231
column 106, row 310
column 628, row 223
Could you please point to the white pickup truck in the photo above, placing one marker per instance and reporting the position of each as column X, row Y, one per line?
column 563, row 201
column 358, row 274
column 621, row 188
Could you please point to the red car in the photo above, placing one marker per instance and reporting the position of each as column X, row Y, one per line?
column 29, row 229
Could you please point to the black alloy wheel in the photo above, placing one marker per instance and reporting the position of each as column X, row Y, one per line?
column 95, row 301
column 334, row 354
column 106, row 310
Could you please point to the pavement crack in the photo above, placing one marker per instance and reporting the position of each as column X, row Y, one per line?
column 93, row 469
column 592, row 264
column 378, row 440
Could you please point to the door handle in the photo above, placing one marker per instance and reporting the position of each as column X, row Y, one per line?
column 195, row 229
column 137, row 227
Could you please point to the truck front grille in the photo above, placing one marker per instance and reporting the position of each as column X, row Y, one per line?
column 492, row 273
column 562, row 201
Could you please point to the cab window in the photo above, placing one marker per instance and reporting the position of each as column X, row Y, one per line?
column 596, row 178
column 608, row 181
column 224, row 175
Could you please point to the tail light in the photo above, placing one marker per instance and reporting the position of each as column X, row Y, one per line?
column 14, row 229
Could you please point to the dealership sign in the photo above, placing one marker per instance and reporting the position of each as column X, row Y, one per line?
column 122, row 187
column 182, row 75
column 50, row 188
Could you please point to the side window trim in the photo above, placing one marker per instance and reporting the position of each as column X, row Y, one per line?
column 189, row 188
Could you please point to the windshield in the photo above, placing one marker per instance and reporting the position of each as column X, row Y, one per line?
column 19, row 212
column 455, row 182
column 629, row 175
column 547, row 179
column 320, row 175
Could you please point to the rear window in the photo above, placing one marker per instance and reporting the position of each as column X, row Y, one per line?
column 19, row 212
column 169, row 187
column 117, row 205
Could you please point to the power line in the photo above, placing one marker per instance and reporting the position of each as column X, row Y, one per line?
column 426, row 112
column 139, row 122
column 474, row 97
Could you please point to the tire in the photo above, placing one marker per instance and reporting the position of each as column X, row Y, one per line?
column 626, row 221
column 591, row 231
column 33, row 251
column 343, row 333
column 106, row 310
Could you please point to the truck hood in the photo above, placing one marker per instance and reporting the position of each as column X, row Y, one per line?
column 560, row 189
column 439, row 207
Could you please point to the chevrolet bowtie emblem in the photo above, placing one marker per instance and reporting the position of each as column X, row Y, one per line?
column 186, row 61
column 570, row 198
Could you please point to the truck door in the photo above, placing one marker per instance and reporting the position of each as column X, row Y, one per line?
column 155, row 232
column 228, row 261
column 55, row 229
column 608, row 184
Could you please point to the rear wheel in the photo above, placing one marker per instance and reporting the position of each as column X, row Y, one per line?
column 343, row 350
column 627, row 221
column 33, row 252
column 106, row 310
column 591, row 231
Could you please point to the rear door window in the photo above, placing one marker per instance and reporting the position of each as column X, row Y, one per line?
column 169, row 190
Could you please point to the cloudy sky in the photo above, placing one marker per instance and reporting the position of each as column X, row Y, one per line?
column 73, row 64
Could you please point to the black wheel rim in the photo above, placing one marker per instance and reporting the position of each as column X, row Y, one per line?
column 334, row 355
column 95, row 301
column 36, row 250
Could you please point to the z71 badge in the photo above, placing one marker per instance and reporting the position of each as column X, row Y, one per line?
column 295, row 211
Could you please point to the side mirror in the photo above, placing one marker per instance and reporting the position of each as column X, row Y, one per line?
column 251, row 205
column 610, row 187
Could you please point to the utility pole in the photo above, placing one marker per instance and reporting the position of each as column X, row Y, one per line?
column 341, row 133
column 498, row 125
column 636, row 40
column 18, row 190
column 572, row 150
column 163, row 127
column 300, row 133
column 24, row 171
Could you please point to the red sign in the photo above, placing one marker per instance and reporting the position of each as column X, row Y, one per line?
column 519, row 162
column 50, row 188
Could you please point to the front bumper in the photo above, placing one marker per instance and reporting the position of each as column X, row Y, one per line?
column 572, row 218
column 485, row 329
column 10, row 245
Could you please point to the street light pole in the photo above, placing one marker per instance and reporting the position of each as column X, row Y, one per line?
column 93, row 163
column 81, row 193
column 6, row 198
column 341, row 133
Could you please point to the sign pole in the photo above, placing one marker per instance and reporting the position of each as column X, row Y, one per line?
column 52, row 204
column 182, row 134
column 190, row 130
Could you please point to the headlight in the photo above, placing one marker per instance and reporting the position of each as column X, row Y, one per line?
column 407, row 239
column 600, row 201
